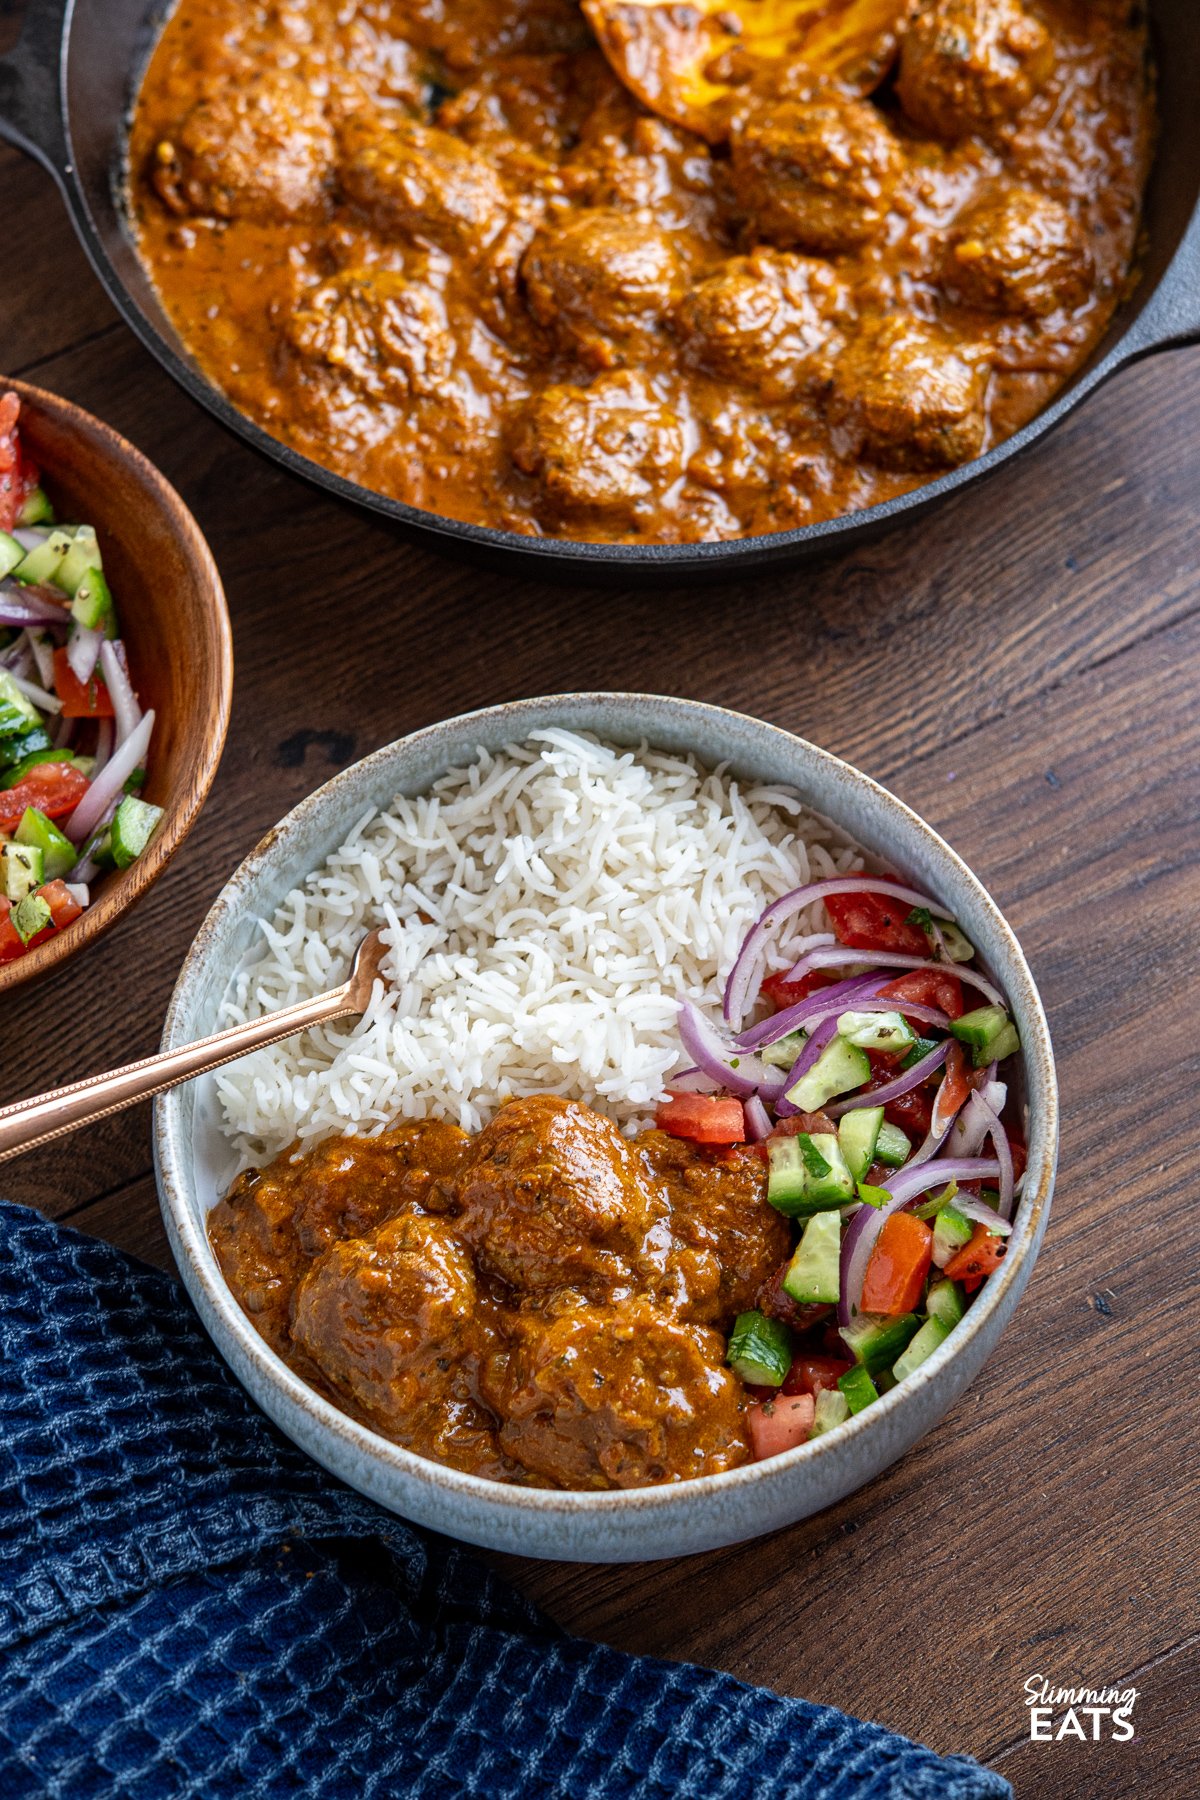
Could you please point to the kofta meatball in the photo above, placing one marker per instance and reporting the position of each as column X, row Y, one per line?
column 274, row 1221
column 393, row 1323
column 815, row 175
column 379, row 330
column 905, row 397
column 616, row 1398
column 766, row 320
column 602, row 281
column 970, row 66
column 259, row 149
column 602, row 452
column 553, row 1197
column 727, row 1237
column 423, row 185
column 1020, row 253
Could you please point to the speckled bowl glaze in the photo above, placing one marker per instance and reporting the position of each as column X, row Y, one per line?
column 193, row 1160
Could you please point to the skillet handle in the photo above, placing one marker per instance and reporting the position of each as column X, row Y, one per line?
column 1171, row 317
column 31, row 110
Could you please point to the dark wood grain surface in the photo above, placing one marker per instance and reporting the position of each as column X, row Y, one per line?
column 1024, row 669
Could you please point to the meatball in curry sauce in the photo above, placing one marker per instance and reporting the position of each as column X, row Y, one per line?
column 545, row 1303
column 446, row 252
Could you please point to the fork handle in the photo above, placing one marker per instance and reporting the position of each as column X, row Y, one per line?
column 36, row 1121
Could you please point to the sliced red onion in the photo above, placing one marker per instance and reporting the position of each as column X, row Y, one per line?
column 892, row 1090
column 17, row 659
column 867, row 1223
column 29, row 536
column 982, row 1214
column 104, row 746
column 83, row 651
column 84, row 872
column 735, row 1069
column 758, row 1119
column 970, row 1127
column 107, row 785
column 822, row 1034
column 1003, row 1150
column 79, row 892
column 126, row 711
column 812, row 1007
column 742, row 988
column 49, row 703
column 838, row 957
column 64, row 731
column 690, row 1081
column 29, row 609
column 43, row 656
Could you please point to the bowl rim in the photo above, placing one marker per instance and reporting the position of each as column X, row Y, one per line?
column 173, row 1157
column 122, row 890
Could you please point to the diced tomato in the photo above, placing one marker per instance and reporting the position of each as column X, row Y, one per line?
column 814, row 1374
column 795, row 1123
column 781, row 992
column 928, row 987
column 64, row 907
column 18, row 474
column 54, row 788
column 11, row 945
column 977, row 1260
column 704, row 1118
column 1020, row 1156
column 955, row 1086
column 912, row 1112
column 88, row 699
column 778, row 1425
column 898, row 1265
column 876, row 922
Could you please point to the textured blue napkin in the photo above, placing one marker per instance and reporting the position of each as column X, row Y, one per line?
column 188, row 1606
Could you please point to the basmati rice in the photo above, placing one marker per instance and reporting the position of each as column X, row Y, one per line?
column 547, row 908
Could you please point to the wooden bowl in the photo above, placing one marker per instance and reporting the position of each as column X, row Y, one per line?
column 175, row 626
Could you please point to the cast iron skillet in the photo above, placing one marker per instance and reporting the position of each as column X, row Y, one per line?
column 64, row 95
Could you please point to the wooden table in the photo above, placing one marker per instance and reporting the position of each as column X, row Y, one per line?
column 1024, row 669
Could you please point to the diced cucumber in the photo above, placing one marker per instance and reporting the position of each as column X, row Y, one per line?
column 1006, row 1044
column 958, row 947
column 950, row 1232
column 760, row 1349
column 990, row 1033
column 59, row 854
column 919, row 1051
column 926, row 1341
column 857, row 1389
column 839, row 1068
column 892, row 1146
column 833, row 1409
column 43, row 563
column 11, row 553
column 132, row 828
column 93, row 604
column 858, row 1135
column 876, row 1341
column 83, row 555
column 20, row 744
column 807, row 1174
column 945, row 1302
column 888, row 1031
column 37, row 509
column 812, row 1277
column 30, row 916
column 17, row 713
column 23, row 870
column 783, row 1053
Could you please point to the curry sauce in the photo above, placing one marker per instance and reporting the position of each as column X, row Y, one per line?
column 447, row 253
column 545, row 1303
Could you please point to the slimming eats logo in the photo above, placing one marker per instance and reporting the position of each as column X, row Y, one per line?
column 1056, row 1713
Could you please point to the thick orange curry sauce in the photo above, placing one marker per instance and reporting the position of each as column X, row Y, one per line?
column 444, row 251
column 545, row 1303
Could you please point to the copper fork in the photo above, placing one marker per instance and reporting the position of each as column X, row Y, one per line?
column 36, row 1121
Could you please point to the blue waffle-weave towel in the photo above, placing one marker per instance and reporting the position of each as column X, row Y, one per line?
column 189, row 1607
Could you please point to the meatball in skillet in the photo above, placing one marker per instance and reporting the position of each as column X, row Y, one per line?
column 600, row 453
column 1019, row 253
column 768, row 320
column 258, row 149
column 815, row 175
column 602, row 281
column 904, row 397
column 423, row 185
column 970, row 66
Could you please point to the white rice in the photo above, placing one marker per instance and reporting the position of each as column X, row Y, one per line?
column 546, row 909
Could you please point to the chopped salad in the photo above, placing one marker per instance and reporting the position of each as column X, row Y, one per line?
column 874, row 1087
column 73, row 739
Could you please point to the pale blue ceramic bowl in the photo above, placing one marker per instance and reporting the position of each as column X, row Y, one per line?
column 193, row 1162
